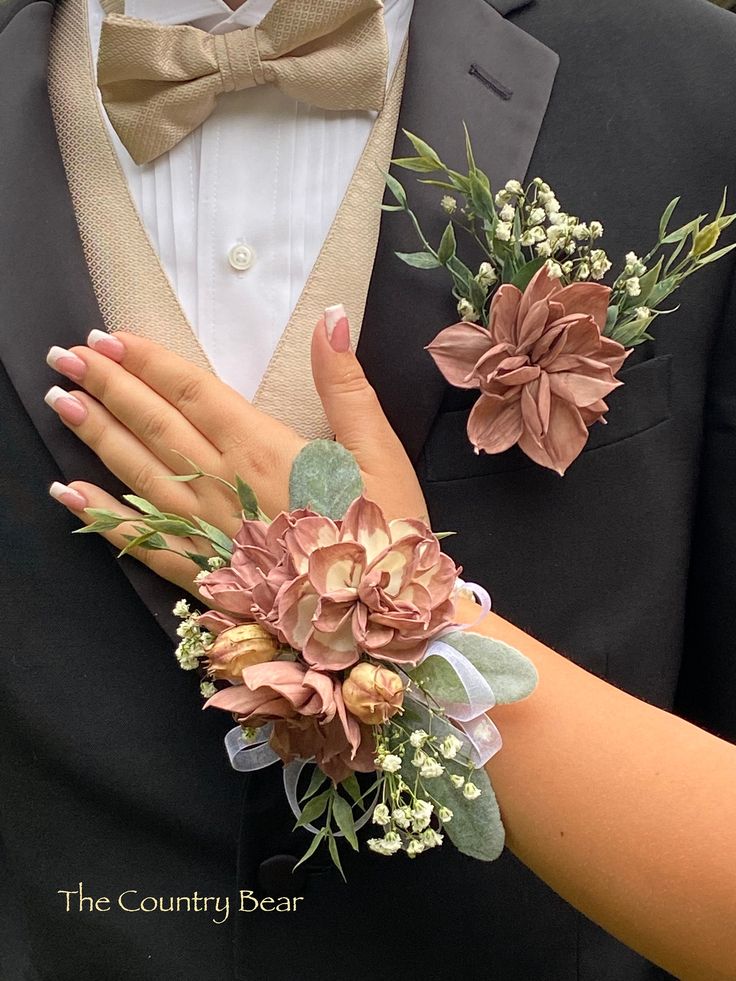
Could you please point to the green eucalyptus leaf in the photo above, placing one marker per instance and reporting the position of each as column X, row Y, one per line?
column 352, row 787
column 219, row 539
column 480, row 195
column 335, row 855
column 662, row 290
column 447, row 246
column 326, row 478
column 420, row 260
column 202, row 561
column 476, row 828
column 722, row 207
column 343, row 815
column 524, row 276
column 105, row 521
column 183, row 478
column 314, row 808
column 150, row 542
column 437, row 677
column 423, row 149
column 683, row 231
column 224, row 553
column 141, row 503
column 469, row 151
column 461, row 182
column 316, row 842
column 443, row 184
column 511, row 675
column 396, row 189
column 648, row 281
column 247, row 498
column 628, row 334
column 422, row 165
column 611, row 318
column 715, row 256
column 173, row 526
column 318, row 778
column 667, row 214
column 462, row 275
column 137, row 541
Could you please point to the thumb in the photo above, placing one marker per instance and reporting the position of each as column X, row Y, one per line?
column 350, row 403
column 357, row 419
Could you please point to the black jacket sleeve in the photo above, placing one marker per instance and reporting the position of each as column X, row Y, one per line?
column 707, row 684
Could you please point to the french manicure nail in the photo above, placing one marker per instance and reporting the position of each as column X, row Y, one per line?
column 338, row 328
column 68, row 496
column 106, row 344
column 66, row 363
column 65, row 405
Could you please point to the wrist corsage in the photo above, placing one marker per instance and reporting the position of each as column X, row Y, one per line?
column 335, row 645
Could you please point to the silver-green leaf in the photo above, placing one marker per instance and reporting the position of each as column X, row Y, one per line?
column 326, row 478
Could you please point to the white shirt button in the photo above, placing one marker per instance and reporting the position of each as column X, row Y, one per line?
column 241, row 257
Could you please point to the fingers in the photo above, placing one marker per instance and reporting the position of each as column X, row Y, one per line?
column 78, row 495
column 156, row 424
column 358, row 421
column 213, row 408
column 120, row 451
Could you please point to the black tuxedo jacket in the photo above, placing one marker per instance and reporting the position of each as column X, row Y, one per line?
column 111, row 774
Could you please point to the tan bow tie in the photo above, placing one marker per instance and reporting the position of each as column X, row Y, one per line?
column 158, row 82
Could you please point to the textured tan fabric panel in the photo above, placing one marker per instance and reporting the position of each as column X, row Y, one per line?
column 132, row 288
column 159, row 82
column 130, row 284
column 341, row 275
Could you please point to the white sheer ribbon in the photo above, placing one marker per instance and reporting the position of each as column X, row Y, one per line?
column 469, row 713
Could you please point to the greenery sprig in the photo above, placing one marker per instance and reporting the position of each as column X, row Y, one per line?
column 519, row 229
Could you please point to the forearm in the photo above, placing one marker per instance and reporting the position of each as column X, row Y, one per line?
column 626, row 811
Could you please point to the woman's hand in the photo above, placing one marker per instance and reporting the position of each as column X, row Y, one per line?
column 140, row 408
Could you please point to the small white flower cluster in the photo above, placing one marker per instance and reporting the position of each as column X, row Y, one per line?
column 194, row 640
column 563, row 240
column 415, row 834
column 449, row 204
column 633, row 271
column 404, row 816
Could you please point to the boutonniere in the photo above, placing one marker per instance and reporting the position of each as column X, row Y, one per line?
column 335, row 647
column 540, row 336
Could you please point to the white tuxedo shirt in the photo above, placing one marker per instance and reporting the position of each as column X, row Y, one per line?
column 239, row 210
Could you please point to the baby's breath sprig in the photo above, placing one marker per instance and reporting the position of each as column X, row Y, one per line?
column 519, row 229
column 412, row 761
column 194, row 642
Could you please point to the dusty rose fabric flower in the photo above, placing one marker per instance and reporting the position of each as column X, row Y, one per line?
column 334, row 753
column 308, row 712
column 279, row 690
column 364, row 584
column 247, row 588
column 542, row 367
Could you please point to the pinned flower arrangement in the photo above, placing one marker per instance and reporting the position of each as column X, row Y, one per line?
column 540, row 336
column 336, row 648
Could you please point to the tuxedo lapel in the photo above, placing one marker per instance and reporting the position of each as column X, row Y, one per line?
column 46, row 295
column 465, row 65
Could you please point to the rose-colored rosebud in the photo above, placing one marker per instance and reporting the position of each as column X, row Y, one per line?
column 372, row 694
column 240, row 647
